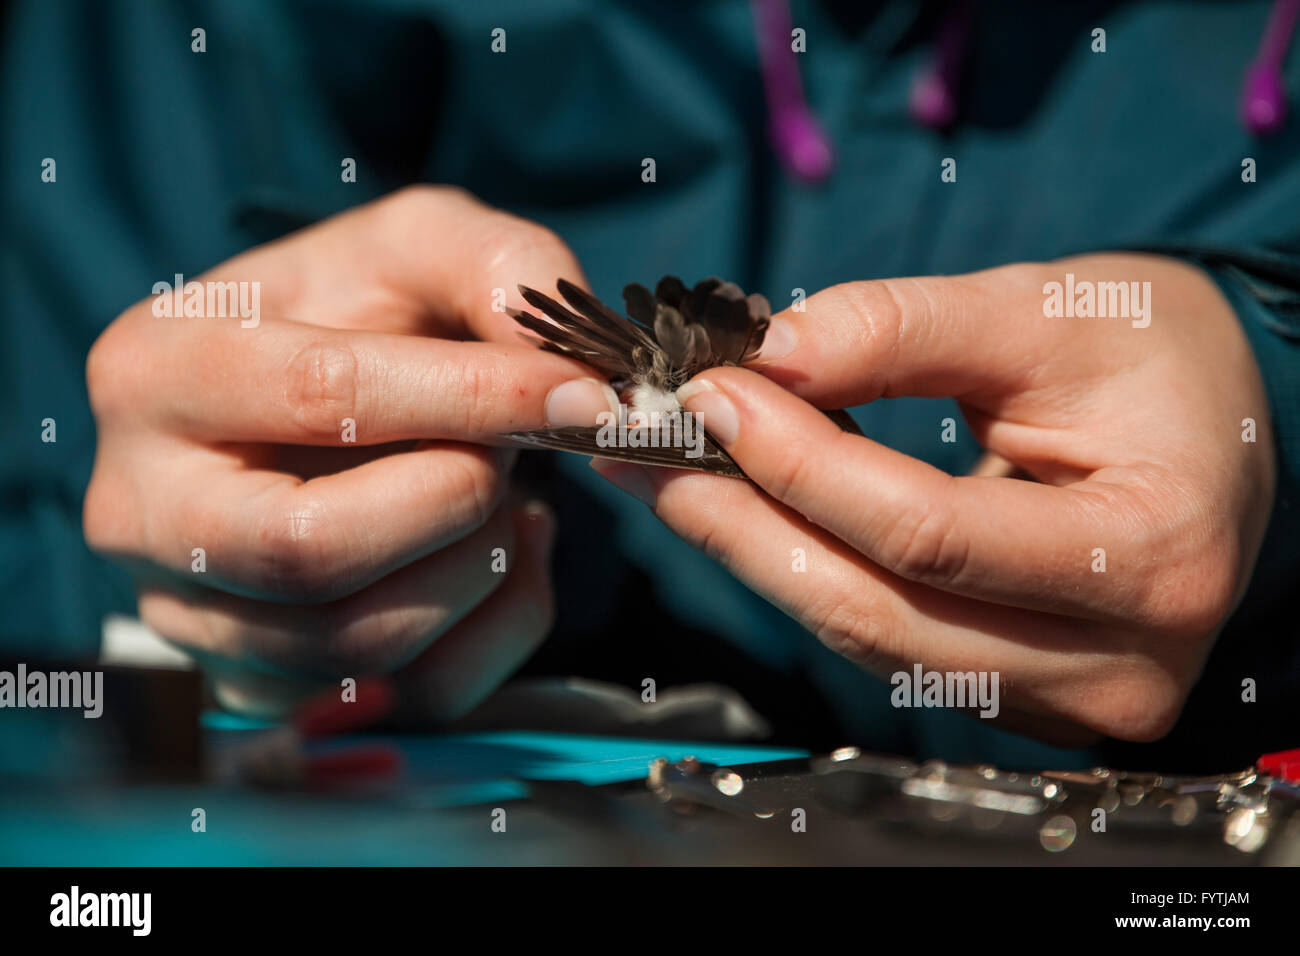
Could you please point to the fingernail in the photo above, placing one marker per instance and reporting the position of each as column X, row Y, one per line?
column 633, row 479
column 578, row 402
column 540, row 522
column 713, row 408
column 779, row 341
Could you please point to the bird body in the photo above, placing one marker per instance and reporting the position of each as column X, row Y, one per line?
column 668, row 337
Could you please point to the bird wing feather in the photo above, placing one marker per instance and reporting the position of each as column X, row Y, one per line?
column 582, row 440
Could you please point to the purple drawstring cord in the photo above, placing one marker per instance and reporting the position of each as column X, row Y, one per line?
column 796, row 136
column 1263, row 101
column 805, row 150
column 934, row 96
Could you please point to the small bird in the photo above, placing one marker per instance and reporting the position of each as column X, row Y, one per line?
column 671, row 335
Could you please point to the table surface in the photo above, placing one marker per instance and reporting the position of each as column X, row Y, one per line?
column 567, row 799
column 437, row 812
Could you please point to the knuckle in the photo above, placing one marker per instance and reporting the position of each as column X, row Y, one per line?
column 697, row 512
column 926, row 547
column 1194, row 599
column 505, row 239
column 301, row 555
column 321, row 387
column 851, row 627
column 1201, row 572
column 715, row 541
column 789, row 476
column 418, row 200
column 528, row 235
column 480, row 387
column 413, row 193
column 178, row 621
column 1140, row 706
column 109, row 367
column 474, row 483
column 378, row 643
column 409, row 215
column 876, row 314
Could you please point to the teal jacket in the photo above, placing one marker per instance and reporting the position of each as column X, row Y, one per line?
column 171, row 161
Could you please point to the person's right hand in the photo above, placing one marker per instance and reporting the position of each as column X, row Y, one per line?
column 323, row 558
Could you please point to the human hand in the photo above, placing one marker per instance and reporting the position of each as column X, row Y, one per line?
column 1134, row 435
column 326, row 552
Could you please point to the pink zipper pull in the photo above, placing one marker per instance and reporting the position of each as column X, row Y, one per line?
column 934, row 98
column 1263, row 101
column 798, row 139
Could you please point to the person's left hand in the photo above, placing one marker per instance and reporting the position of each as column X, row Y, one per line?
column 315, row 495
column 1134, row 435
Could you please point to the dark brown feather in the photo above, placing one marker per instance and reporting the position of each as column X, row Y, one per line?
column 640, row 303
column 672, row 290
column 617, row 336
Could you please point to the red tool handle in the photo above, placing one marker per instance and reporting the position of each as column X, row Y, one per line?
column 328, row 714
column 1284, row 764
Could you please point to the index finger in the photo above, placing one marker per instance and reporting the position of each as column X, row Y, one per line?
column 931, row 336
column 291, row 383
